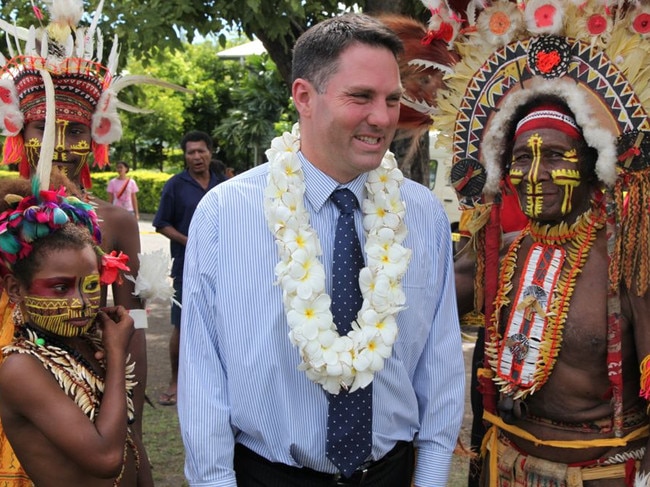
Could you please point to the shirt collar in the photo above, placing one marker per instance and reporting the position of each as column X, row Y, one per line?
column 319, row 186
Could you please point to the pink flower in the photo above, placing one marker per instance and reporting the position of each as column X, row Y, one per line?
column 544, row 15
column 596, row 24
column 641, row 24
column 112, row 264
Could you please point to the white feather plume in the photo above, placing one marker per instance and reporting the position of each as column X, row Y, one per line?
column 19, row 32
column 153, row 282
column 30, row 45
column 642, row 479
column 44, row 167
column 44, row 45
column 112, row 57
column 67, row 12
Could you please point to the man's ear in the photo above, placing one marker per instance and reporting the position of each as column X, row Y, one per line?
column 303, row 93
column 12, row 286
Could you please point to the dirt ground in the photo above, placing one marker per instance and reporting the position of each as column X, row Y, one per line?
column 161, row 432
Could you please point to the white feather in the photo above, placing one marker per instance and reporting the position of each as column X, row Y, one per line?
column 44, row 45
column 19, row 32
column 67, row 12
column 10, row 47
column 142, row 79
column 30, row 45
column 432, row 4
column 80, row 41
column 69, row 46
column 17, row 41
column 44, row 167
column 96, row 15
column 112, row 58
column 89, row 45
column 153, row 282
column 642, row 480
column 99, row 53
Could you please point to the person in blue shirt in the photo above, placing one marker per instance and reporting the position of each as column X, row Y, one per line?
column 180, row 196
column 262, row 356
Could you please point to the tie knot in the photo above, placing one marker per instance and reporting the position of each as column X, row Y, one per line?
column 345, row 200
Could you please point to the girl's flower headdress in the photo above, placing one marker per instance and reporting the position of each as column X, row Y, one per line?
column 37, row 216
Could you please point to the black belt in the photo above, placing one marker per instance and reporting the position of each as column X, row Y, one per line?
column 365, row 472
column 370, row 469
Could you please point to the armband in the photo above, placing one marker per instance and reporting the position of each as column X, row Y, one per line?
column 139, row 318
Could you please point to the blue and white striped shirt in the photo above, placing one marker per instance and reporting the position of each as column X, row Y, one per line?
column 238, row 379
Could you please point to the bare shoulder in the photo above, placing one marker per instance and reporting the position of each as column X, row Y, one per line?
column 119, row 227
column 23, row 380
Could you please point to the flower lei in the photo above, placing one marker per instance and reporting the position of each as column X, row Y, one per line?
column 328, row 359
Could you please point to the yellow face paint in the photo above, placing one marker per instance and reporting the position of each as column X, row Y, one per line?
column 75, row 155
column 563, row 170
column 567, row 178
column 534, row 200
column 66, row 316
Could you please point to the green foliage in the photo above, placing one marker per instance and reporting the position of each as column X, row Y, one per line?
column 150, row 185
column 259, row 100
column 241, row 107
column 237, row 104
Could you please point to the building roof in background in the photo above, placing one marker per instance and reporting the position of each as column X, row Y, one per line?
column 244, row 50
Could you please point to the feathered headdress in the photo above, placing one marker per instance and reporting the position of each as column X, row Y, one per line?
column 57, row 70
column 594, row 56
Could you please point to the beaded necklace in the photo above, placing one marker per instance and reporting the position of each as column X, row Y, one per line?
column 523, row 355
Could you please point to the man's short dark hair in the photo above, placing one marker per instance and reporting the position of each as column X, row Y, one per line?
column 317, row 51
column 197, row 136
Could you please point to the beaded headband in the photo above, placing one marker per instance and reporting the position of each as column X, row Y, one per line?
column 548, row 116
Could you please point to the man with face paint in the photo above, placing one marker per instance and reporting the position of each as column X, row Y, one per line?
column 69, row 358
column 549, row 156
column 550, row 333
column 550, row 98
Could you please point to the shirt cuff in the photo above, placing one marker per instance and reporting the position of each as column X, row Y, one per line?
column 432, row 468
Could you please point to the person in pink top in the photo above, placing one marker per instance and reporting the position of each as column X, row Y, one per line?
column 122, row 190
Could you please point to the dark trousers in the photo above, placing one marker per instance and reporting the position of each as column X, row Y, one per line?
column 394, row 470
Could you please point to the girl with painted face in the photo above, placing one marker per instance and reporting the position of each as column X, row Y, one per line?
column 69, row 358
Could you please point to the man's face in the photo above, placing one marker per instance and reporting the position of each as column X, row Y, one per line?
column 71, row 150
column 63, row 297
column 348, row 128
column 197, row 157
column 547, row 171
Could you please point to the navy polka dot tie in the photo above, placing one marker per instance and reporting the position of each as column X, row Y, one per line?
column 349, row 420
